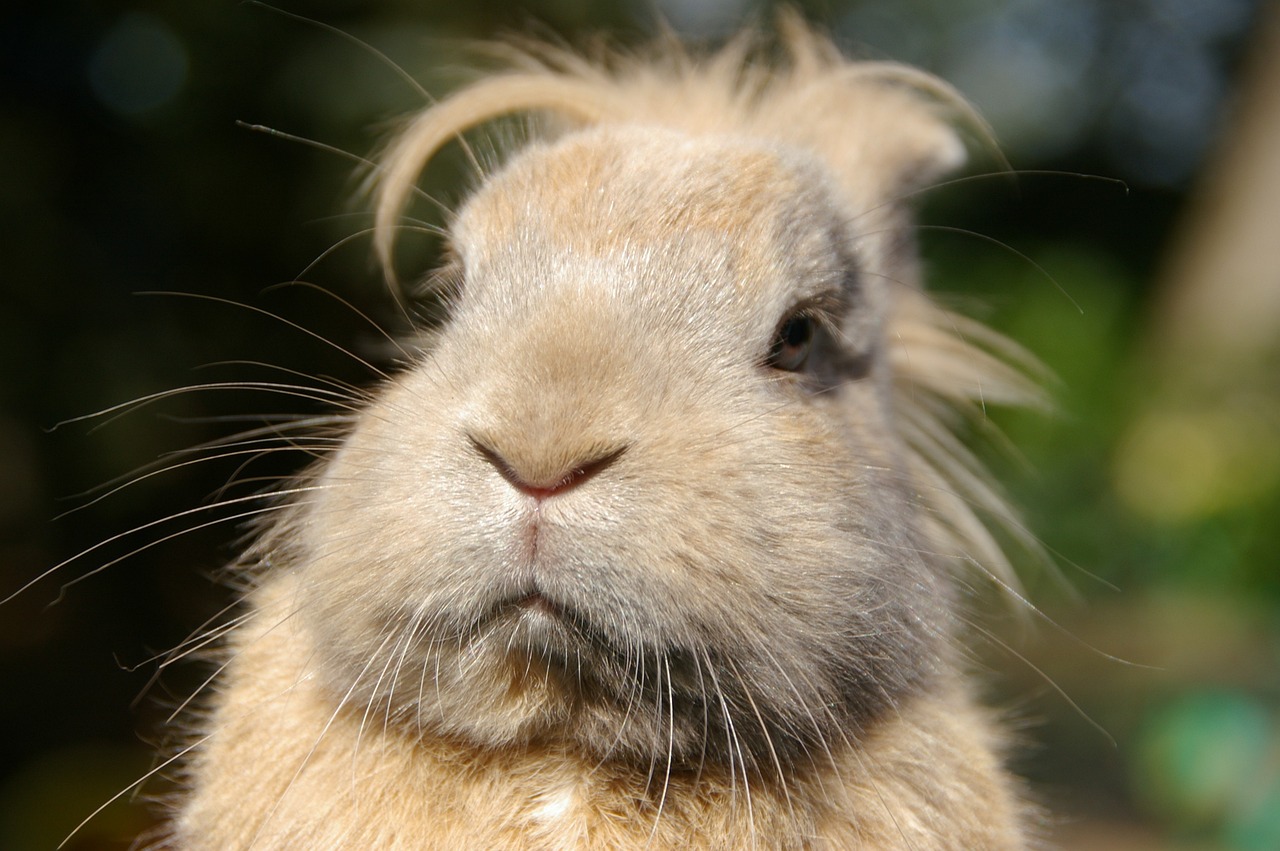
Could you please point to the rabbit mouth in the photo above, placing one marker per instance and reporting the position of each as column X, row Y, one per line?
column 533, row 623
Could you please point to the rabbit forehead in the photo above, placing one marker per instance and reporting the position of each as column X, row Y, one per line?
column 692, row 207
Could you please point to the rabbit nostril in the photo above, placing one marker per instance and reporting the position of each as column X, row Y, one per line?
column 545, row 480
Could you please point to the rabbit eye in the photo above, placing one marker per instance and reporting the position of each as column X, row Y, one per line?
column 792, row 343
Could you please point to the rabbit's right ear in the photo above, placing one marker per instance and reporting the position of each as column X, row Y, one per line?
column 399, row 168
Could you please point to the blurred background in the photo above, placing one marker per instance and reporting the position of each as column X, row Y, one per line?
column 1148, row 691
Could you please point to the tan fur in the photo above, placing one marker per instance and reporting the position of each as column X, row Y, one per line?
column 314, row 777
column 596, row 571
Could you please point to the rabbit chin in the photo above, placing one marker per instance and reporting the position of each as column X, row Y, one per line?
column 535, row 673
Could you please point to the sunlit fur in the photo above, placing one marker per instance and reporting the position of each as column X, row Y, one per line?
column 593, row 572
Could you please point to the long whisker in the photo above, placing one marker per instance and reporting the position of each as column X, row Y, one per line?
column 377, row 54
column 289, row 322
column 1009, row 248
column 134, row 785
column 390, row 338
column 234, row 450
column 113, row 412
column 152, row 524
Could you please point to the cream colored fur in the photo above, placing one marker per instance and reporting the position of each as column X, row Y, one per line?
column 285, row 771
column 599, row 570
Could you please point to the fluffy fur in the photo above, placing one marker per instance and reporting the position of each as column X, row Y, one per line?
column 654, row 545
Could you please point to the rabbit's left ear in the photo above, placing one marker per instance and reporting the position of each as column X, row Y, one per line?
column 886, row 130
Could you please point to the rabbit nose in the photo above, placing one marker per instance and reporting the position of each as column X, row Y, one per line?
column 545, row 477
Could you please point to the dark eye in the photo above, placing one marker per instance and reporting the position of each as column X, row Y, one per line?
column 792, row 343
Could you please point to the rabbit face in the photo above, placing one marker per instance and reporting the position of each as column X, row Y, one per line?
column 643, row 495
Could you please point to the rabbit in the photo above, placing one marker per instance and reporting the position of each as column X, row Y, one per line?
column 656, row 542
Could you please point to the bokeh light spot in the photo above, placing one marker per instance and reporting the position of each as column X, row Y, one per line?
column 1178, row 465
column 139, row 65
column 1200, row 756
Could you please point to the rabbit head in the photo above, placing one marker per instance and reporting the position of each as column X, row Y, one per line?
column 670, row 483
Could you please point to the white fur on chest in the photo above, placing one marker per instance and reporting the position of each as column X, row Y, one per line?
column 557, row 816
column 555, row 806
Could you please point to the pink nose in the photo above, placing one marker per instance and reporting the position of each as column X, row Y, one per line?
column 544, row 485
